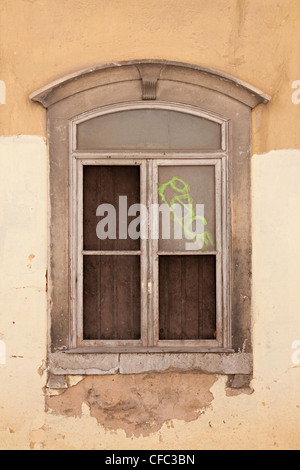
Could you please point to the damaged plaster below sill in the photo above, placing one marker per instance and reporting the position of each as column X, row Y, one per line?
column 138, row 404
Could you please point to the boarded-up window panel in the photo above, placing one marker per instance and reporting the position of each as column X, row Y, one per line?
column 149, row 129
column 104, row 185
column 111, row 298
column 187, row 297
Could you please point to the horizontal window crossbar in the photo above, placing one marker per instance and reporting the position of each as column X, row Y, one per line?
column 170, row 253
column 111, row 253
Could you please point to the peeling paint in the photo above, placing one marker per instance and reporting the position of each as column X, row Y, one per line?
column 42, row 368
column 231, row 392
column 2, row 353
column 73, row 380
column 140, row 405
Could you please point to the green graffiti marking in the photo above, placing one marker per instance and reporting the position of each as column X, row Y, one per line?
column 182, row 196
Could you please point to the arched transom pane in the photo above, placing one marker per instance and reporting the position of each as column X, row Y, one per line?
column 149, row 129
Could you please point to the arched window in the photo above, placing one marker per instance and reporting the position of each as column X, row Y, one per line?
column 150, row 219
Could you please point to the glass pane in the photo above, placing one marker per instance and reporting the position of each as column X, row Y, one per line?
column 108, row 193
column 111, row 298
column 187, row 297
column 186, row 196
column 148, row 129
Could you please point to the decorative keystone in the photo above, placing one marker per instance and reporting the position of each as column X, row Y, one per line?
column 150, row 74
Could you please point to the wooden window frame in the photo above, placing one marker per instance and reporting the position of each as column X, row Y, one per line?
column 222, row 341
column 149, row 163
column 76, row 246
column 153, row 84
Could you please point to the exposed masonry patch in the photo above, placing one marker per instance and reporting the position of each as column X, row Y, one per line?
column 138, row 404
column 239, row 384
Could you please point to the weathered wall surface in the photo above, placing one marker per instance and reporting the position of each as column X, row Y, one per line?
column 255, row 41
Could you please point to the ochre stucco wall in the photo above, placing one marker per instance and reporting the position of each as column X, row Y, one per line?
column 256, row 41
column 253, row 40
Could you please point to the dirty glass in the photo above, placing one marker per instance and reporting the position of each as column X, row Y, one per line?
column 186, row 197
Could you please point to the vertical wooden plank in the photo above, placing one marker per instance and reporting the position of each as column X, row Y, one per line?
column 127, row 301
column 174, row 285
column 201, row 290
column 107, row 195
column 163, row 300
column 182, row 313
column 136, row 304
column 107, row 298
column 171, row 301
column 89, row 192
column 207, row 297
column 127, row 184
column 89, row 292
column 191, row 293
column 98, row 300
column 91, row 297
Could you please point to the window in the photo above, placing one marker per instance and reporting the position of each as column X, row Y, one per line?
column 150, row 225
column 148, row 267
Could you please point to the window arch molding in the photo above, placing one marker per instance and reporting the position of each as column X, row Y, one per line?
column 151, row 84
